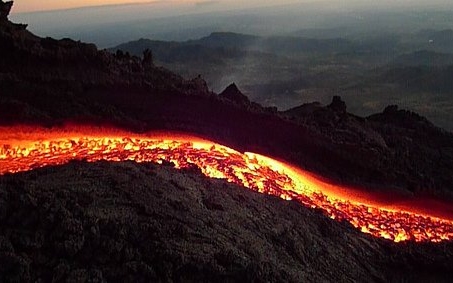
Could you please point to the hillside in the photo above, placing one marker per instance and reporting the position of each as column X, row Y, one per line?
column 435, row 80
column 172, row 52
column 369, row 71
column 279, row 45
column 423, row 58
column 141, row 222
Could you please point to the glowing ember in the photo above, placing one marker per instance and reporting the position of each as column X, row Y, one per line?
column 25, row 149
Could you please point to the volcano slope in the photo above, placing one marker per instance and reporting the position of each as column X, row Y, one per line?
column 125, row 221
column 133, row 222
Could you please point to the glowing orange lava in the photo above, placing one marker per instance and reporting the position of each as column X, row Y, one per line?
column 23, row 149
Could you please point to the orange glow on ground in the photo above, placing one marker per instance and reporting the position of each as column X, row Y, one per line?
column 23, row 149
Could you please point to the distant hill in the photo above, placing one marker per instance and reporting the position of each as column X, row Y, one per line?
column 441, row 38
column 321, row 32
column 432, row 79
column 181, row 52
column 229, row 44
column 432, row 40
column 282, row 45
column 369, row 71
column 423, row 58
column 228, row 40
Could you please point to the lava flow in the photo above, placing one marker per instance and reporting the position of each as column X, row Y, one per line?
column 26, row 149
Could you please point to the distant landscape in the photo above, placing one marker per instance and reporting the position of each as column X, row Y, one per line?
column 413, row 71
column 287, row 55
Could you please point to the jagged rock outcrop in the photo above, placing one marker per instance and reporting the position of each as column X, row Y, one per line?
column 5, row 24
column 403, row 118
column 148, row 58
column 396, row 144
column 198, row 86
column 338, row 104
column 333, row 121
column 421, row 151
column 5, row 9
column 233, row 93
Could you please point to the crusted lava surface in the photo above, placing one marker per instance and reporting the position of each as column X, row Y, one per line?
column 146, row 222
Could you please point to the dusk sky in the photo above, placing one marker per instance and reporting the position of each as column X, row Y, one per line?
column 36, row 5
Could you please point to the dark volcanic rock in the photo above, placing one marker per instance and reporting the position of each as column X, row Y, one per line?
column 198, row 86
column 338, row 104
column 422, row 153
column 142, row 222
column 5, row 8
column 232, row 93
column 399, row 147
column 403, row 118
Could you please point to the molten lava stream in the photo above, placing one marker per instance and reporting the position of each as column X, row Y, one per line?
column 23, row 149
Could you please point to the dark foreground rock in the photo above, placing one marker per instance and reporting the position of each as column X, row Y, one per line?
column 127, row 222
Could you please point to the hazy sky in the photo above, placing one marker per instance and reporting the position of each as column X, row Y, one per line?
column 39, row 5
column 21, row 6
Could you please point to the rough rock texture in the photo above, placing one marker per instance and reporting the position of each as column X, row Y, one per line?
column 232, row 93
column 127, row 222
column 402, row 149
column 5, row 8
column 338, row 105
column 424, row 151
